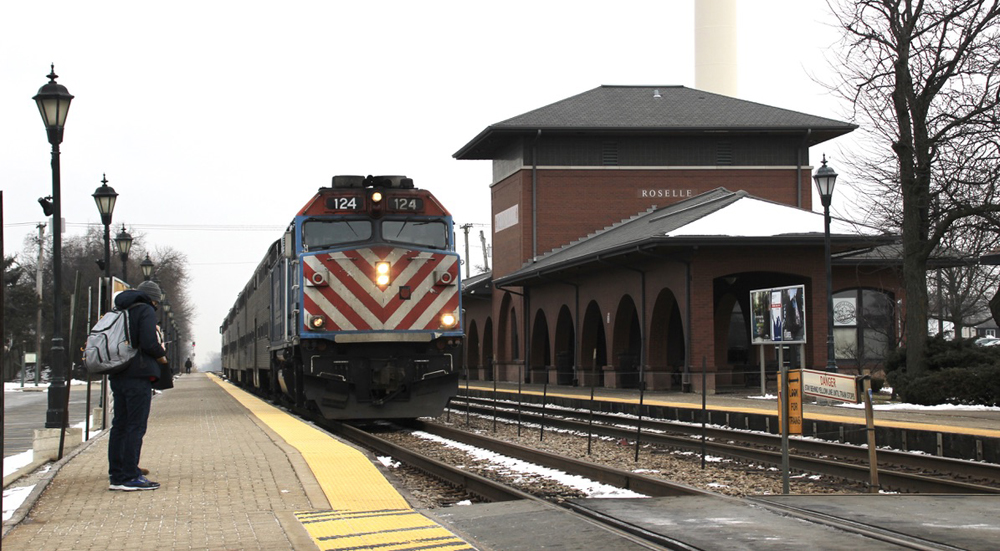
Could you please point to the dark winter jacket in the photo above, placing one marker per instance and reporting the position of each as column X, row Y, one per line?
column 142, row 329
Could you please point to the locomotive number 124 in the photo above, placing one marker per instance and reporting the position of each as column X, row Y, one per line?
column 342, row 203
column 409, row 204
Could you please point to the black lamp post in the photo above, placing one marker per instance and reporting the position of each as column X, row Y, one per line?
column 825, row 178
column 147, row 268
column 105, row 198
column 124, row 242
column 53, row 104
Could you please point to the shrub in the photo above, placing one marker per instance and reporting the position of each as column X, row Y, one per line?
column 959, row 372
column 960, row 386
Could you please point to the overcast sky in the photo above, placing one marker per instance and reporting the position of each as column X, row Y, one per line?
column 215, row 121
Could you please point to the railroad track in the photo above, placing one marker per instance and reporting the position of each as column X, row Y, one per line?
column 492, row 490
column 933, row 474
column 654, row 487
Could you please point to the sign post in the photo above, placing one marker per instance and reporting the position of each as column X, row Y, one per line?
column 778, row 317
column 870, row 425
column 844, row 388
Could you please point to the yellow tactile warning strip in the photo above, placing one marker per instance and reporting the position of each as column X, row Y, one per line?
column 370, row 513
column 396, row 529
column 768, row 411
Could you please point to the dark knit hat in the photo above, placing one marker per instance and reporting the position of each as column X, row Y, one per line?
column 151, row 290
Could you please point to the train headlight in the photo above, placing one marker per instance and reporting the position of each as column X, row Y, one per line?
column 377, row 197
column 448, row 320
column 317, row 323
column 382, row 273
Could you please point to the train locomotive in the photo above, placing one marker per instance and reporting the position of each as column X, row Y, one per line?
column 355, row 312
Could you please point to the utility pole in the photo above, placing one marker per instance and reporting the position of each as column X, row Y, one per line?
column 465, row 228
column 486, row 256
column 38, row 317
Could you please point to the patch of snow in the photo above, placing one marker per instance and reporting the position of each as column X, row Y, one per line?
column 585, row 485
column 13, row 498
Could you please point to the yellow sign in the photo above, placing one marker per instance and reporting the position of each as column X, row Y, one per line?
column 118, row 286
column 794, row 397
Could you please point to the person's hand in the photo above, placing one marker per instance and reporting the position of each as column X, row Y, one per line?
column 161, row 360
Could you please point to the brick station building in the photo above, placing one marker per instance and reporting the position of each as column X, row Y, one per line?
column 630, row 224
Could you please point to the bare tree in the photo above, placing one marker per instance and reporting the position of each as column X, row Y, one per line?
column 961, row 295
column 79, row 256
column 922, row 77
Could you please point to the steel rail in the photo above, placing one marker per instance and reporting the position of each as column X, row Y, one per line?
column 860, row 473
column 619, row 478
column 657, row 487
column 471, row 482
column 975, row 469
column 492, row 490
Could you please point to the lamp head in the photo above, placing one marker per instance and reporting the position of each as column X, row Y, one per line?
column 124, row 242
column 147, row 268
column 53, row 101
column 825, row 178
column 105, row 198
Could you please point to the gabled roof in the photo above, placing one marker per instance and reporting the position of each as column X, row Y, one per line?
column 478, row 285
column 651, row 110
column 716, row 218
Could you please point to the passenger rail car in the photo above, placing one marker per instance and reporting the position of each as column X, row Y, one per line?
column 356, row 311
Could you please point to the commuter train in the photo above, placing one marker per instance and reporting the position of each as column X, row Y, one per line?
column 355, row 312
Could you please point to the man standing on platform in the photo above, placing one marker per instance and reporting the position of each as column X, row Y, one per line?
column 132, row 389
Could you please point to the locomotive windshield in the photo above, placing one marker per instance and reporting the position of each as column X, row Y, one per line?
column 322, row 234
column 432, row 234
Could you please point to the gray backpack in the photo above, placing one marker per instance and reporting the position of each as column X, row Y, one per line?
column 109, row 348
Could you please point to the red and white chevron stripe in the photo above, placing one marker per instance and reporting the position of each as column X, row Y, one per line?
column 341, row 286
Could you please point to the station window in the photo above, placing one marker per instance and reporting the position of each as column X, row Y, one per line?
column 863, row 326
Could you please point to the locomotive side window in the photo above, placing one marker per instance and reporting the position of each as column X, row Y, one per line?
column 433, row 234
column 321, row 234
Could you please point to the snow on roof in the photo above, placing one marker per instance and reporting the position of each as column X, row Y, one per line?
column 753, row 217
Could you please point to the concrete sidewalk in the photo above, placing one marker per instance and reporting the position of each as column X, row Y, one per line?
column 227, row 483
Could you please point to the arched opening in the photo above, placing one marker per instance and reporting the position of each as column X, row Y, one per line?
column 504, row 351
column 594, row 347
column 666, row 341
column 489, row 360
column 627, row 344
column 473, row 359
column 541, row 349
column 731, row 342
column 565, row 348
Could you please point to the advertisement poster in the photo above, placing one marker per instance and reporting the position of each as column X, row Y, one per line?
column 793, row 318
column 760, row 318
column 776, row 321
column 778, row 315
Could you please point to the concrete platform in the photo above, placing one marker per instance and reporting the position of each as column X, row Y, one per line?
column 528, row 526
column 965, row 522
column 942, row 522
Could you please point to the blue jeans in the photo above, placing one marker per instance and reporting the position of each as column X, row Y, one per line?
column 132, row 397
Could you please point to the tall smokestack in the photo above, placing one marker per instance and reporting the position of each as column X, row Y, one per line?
column 715, row 46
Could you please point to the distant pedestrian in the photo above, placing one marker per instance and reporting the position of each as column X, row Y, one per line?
column 132, row 389
column 187, row 366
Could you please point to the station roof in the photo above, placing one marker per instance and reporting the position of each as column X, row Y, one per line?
column 715, row 218
column 651, row 110
column 478, row 285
